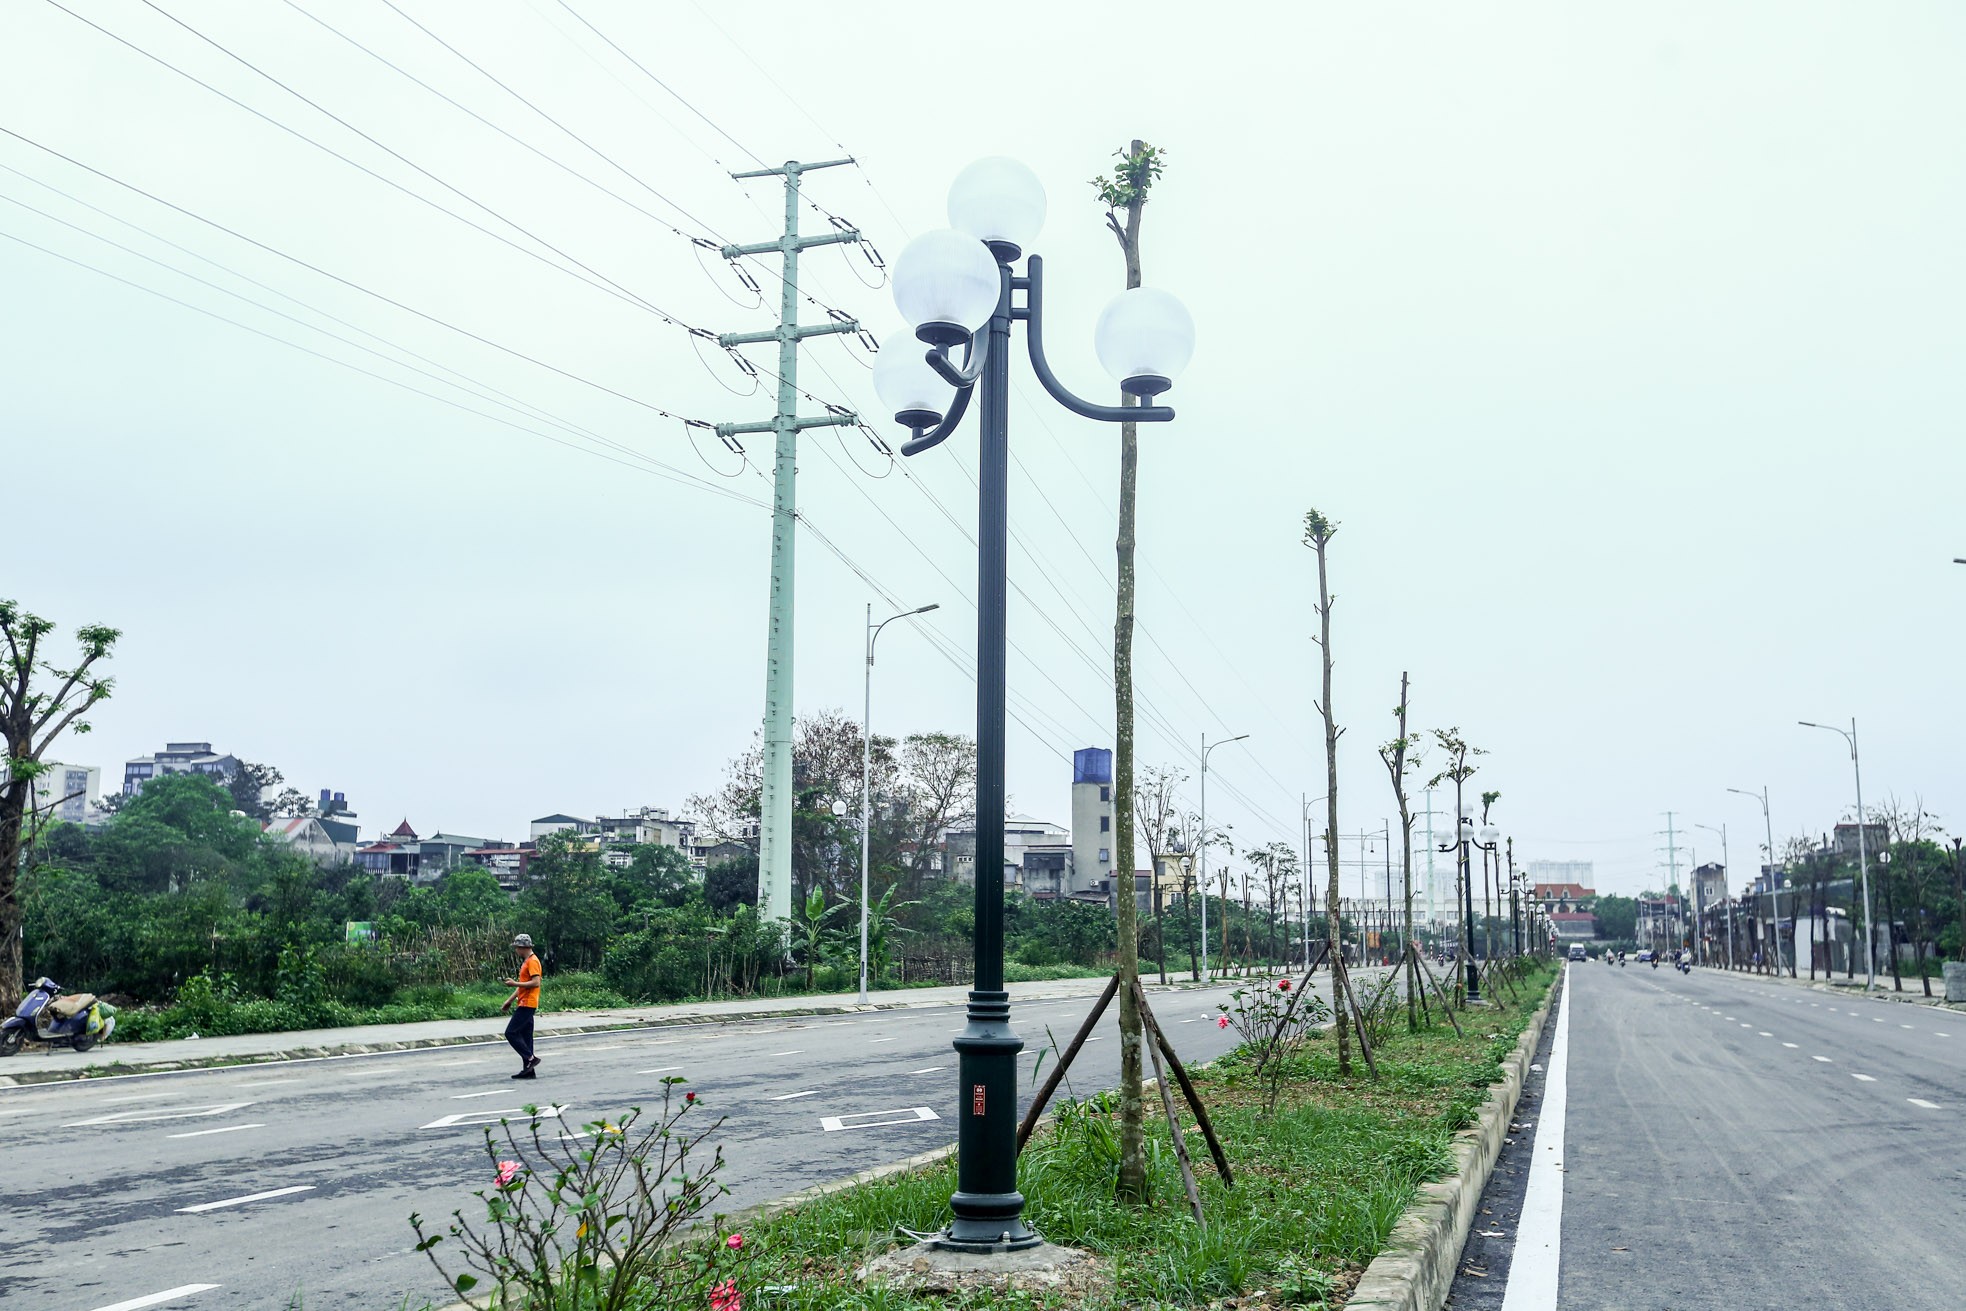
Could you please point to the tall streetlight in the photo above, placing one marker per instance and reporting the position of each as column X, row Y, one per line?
column 1863, row 856
column 956, row 289
column 867, row 768
column 1774, row 908
column 1726, row 873
column 1465, row 837
column 1201, row 847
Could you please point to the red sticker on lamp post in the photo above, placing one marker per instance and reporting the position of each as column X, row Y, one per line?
column 976, row 1099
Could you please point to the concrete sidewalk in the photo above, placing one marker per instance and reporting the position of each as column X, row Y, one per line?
column 1913, row 993
column 40, row 1065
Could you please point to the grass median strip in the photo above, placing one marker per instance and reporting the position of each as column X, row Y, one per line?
column 1320, row 1183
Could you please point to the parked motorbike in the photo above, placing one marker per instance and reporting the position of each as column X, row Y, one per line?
column 78, row 1020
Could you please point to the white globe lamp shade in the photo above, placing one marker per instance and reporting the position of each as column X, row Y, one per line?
column 1490, row 835
column 916, row 395
column 1144, row 338
column 946, row 285
column 1000, row 202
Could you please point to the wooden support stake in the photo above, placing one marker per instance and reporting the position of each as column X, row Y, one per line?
column 1174, row 1127
column 1343, row 977
column 1043, row 1097
column 1188, row 1091
column 1446, row 1003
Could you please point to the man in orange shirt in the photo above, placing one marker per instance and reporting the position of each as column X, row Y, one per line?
column 523, row 1003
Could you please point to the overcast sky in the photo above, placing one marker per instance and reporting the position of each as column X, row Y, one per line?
column 1623, row 341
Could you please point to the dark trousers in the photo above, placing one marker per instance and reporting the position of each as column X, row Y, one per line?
column 519, row 1032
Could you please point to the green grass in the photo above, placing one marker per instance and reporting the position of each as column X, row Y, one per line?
column 1318, row 1187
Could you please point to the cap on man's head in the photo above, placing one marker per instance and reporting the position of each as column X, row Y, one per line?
column 523, row 940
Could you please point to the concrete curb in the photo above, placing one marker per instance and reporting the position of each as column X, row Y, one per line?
column 353, row 1047
column 1415, row 1269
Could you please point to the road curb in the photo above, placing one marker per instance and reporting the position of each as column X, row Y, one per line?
column 117, row 1069
column 1415, row 1269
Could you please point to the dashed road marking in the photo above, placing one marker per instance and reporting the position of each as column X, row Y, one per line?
column 796, row 1051
column 1866, row 1078
column 660, row 1069
column 142, row 1117
column 200, row 1133
column 1764, row 1033
column 493, row 1117
column 932, row 1069
column 249, row 1197
column 1920, row 1101
column 793, row 1097
column 863, row 1120
column 1824, row 1059
column 1788, row 1044
column 872, row 1041
column 458, row 1097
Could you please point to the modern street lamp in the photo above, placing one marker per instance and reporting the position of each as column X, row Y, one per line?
column 1201, row 845
column 1863, row 857
column 1726, row 873
column 867, row 768
column 1464, row 838
column 956, row 289
column 1774, row 908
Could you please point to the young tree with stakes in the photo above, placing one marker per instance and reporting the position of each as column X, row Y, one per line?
column 1402, row 757
column 1125, row 197
column 1318, row 532
column 39, row 701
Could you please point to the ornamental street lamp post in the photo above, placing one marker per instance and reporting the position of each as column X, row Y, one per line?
column 1464, row 838
column 867, row 769
column 957, row 289
column 1201, row 850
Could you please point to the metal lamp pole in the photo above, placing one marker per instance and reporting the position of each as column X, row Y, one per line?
column 1863, row 857
column 1464, row 838
column 1201, row 850
column 1774, row 908
column 867, row 768
column 958, row 292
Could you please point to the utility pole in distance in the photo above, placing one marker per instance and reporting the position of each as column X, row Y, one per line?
column 776, row 796
column 1672, row 868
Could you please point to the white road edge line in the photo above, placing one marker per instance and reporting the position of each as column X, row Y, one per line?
column 793, row 1097
column 152, row 1299
column 200, row 1133
column 249, row 1197
column 660, row 1069
column 1533, row 1271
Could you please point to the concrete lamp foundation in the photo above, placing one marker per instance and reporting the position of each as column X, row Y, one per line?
column 1047, row 1268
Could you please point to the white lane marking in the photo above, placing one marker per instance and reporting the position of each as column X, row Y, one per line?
column 263, row 1083
column 932, row 1069
column 1944, row 1035
column 1788, row 1044
column 1920, row 1101
column 609, row 1047
column 1747, row 1026
column 458, row 1097
column 906, row 1115
column 796, row 1051
column 1904, row 1026
column 492, row 1117
column 1101, row 1038
column 1875, row 1019
column 1764, row 1033
column 140, row 1117
column 249, row 1197
column 1533, row 1271
column 1191, row 1021
column 793, row 1097
column 153, row 1299
column 200, row 1133
column 1867, row 1078
column 660, row 1069
column 1824, row 1059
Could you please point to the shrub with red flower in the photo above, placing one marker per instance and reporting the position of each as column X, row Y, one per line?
column 725, row 1297
column 1283, row 984
column 735, row 1242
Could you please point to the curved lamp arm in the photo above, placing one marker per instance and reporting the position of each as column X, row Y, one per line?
column 974, row 354
column 925, row 439
column 1034, row 337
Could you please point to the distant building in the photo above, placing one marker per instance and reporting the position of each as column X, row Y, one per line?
column 66, row 792
column 650, row 826
column 1843, row 840
column 1577, row 872
column 1021, row 834
column 179, row 758
column 546, row 824
column 1560, row 898
column 1573, row 926
column 310, row 837
column 1093, row 858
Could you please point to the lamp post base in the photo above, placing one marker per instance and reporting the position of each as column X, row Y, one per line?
column 986, row 1204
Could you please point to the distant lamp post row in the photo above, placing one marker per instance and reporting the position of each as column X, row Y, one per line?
column 956, row 289
column 1463, row 838
column 1863, row 856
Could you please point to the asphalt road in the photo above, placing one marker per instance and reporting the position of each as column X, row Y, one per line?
column 1731, row 1142
column 97, row 1175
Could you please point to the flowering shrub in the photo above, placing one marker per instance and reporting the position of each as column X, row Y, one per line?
column 1272, row 1020
column 587, row 1221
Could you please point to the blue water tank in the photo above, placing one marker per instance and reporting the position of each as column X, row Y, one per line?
column 1092, row 765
